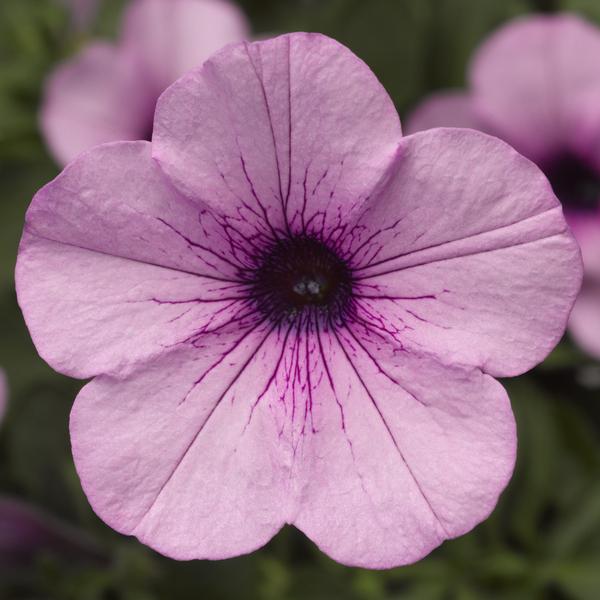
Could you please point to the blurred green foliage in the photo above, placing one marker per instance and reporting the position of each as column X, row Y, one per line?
column 543, row 540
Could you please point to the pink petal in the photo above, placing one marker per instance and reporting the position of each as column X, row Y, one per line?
column 206, row 453
column 585, row 318
column 405, row 452
column 170, row 37
column 533, row 78
column 586, row 229
column 114, row 265
column 96, row 97
column 176, row 454
column 466, row 253
column 295, row 125
column 584, row 324
column 449, row 108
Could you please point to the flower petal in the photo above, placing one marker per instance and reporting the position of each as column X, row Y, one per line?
column 295, row 125
column 585, row 226
column 450, row 108
column 405, row 452
column 170, row 37
column 171, row 454
column 115, row 265
column 466, row 253
column 96, row 97
column 584, row 324
column 205, row 453
column 532, row 79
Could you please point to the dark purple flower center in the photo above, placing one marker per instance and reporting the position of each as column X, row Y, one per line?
column 301, row 273
column 575, row 182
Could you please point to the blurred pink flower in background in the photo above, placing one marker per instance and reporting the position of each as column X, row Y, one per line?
column 292, row 314
column 27, row 533
column 536, row 84
column 82, row 11
column 108, row 91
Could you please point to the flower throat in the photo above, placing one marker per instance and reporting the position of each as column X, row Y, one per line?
column 300, row 274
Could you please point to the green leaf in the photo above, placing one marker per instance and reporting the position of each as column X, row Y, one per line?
column 539, row 443
column 579, row 524
column 38, row 448
column 18, row 184
column 580, row 578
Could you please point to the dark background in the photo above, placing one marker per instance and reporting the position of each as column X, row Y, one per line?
column 543, row 540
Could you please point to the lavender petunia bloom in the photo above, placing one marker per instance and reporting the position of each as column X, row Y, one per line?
column 108, row 92
column 292, row 314
column 536, row 84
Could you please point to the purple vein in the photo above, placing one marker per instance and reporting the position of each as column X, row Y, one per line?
column 272, row 377
column 308, row 404
column 330, row 378
column 256, row 198
column 135, row 260
column 462, row 239
column 371, row 238
column 203, row 425
column 379, row 367
column 389, row 431
column 343, row 418
column 457, row 256
column 270, row 119
column 224, row 355
column 238, row 317
column 293, row 370
column 386, row 297
column 289, row 64
column 192, row 300
column 193, row 244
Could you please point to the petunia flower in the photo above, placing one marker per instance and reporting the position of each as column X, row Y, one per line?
column 108, row 92
column 292, row 314
column 536, row 84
